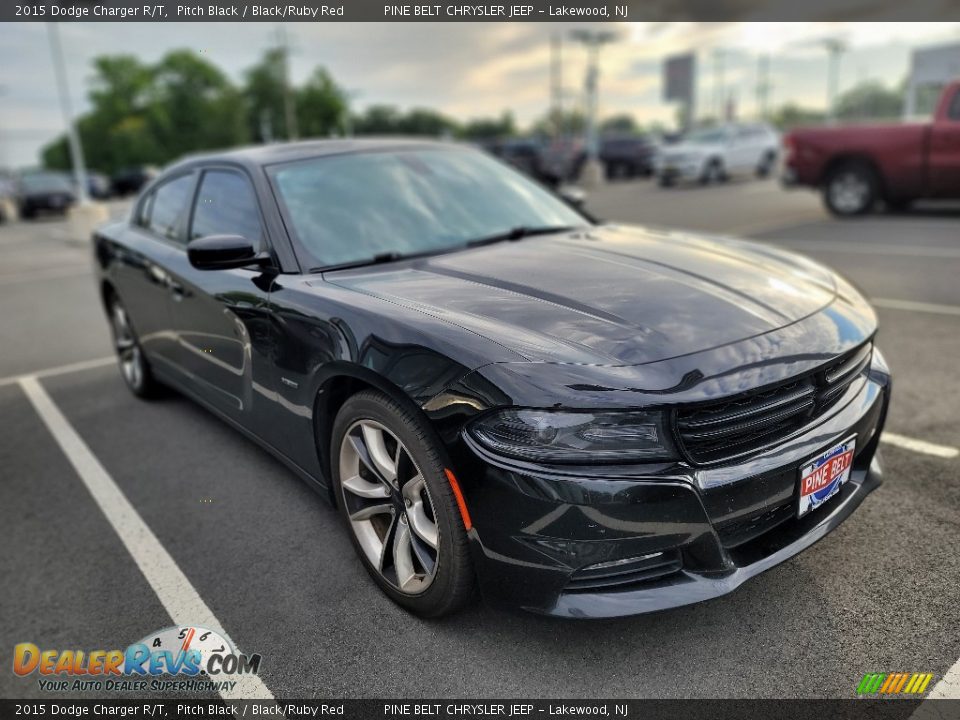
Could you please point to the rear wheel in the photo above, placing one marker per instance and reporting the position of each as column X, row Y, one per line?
column 133, row 365
column 850, row 190
column 393, row 494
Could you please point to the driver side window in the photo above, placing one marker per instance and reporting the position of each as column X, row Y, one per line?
column 226, row 205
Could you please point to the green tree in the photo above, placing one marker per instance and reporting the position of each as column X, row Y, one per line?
column 792, row 115
column 619, row 124
column 426, row 122
column 387, row 120
column 194, row 106
column 568, row 122
column 321, row 106
column 145, row 114
column 378, row 120
column 489, row 128
column 264, row 95
column 870, row 100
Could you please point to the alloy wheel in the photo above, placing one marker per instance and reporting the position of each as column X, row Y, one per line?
column 128, row 351
column 849, row 192
column 389, row 507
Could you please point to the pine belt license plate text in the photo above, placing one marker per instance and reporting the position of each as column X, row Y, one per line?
column 822, row 476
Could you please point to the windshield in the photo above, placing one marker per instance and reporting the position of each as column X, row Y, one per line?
column 352, row 207
column 712, row 135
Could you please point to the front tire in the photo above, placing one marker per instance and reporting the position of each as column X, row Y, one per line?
column 851, row 190
column 395, row 499
column 712, row 173
column 133, row 363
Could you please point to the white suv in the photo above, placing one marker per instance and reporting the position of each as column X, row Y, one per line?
column 713, row 154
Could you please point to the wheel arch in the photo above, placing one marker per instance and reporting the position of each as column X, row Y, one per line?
column 107, row 293
column 336, row 383
column 853, row 158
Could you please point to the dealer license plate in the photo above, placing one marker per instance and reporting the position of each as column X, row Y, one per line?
column 822, row 476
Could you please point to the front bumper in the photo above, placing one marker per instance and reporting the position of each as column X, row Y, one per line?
column 680, row 169
column 561, row 541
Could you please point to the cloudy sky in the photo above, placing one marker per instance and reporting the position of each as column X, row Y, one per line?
column 463, row 69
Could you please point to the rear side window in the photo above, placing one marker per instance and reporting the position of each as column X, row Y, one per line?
column 167, row 205
column 226, row 205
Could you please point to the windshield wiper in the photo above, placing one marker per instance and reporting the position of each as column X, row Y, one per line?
column 383, row 257
column 518, row 233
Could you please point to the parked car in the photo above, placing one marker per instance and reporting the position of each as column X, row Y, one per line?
column 627, row 156
column 585, row 420
column 44, row 192
column 522, row 153
column 130, row 180
column 854, row 166
column 714, row 154
column 99, row 186
column 622, row 157
column 562, row 160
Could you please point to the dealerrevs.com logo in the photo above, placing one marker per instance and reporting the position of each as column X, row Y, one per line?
column 203, row 659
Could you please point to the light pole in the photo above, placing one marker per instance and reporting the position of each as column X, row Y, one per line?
column 593, row 40
column 73, row 137
column 835, row 48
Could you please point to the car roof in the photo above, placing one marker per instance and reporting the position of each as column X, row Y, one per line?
column 260, row 155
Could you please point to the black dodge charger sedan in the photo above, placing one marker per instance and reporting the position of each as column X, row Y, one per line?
column 580, row 419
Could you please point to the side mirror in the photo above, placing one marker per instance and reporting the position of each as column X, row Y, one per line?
column 572, row 195
column 222, row 252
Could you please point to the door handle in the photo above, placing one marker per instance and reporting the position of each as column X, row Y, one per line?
column 176, row 290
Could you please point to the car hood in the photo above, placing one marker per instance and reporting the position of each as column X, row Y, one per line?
column 610, row 295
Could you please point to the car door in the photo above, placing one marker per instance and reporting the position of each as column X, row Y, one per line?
column 741, row 149
column 943, row 161
column 142, row 278
column 218, row 312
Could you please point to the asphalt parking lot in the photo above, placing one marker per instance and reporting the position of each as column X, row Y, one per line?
column 275, row 567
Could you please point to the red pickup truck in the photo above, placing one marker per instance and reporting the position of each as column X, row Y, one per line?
column 854, row 166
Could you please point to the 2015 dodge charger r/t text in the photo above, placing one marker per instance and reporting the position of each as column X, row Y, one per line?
column 497, row 391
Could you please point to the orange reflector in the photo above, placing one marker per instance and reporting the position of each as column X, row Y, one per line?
column 455, row 486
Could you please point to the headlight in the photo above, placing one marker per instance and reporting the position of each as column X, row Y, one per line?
column 575, row 437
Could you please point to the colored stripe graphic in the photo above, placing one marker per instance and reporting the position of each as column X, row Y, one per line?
column 870, row 683
column 894, row 683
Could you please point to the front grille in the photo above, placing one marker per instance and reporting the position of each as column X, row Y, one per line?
column 736, row 426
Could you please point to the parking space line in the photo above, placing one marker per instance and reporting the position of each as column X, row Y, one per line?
column 61, row 369
column 178, row 596
column 913, row 306
column 949, row 686
column 919, row 446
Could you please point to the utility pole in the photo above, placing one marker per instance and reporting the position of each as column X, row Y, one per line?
column 835, row 48
column 593, row 40
column 763, row 86
column 289, row 111
column 73, row 138
column 718, row 80
column 556, row 83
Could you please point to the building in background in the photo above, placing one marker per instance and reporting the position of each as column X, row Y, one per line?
column 931, row 68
